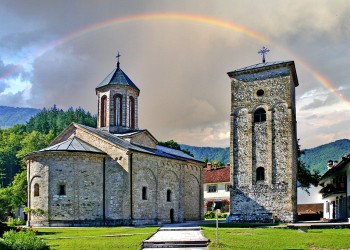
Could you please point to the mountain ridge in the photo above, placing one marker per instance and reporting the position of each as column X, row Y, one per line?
column 315, row 158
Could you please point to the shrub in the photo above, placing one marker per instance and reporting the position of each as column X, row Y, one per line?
column 3, row 229
column 23, row 240
column 2, row 245
column 212, row 215
column 11, row 222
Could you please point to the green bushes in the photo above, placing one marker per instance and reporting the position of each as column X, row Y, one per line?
column 23, row 240
column 15, row 222
column 212, row 215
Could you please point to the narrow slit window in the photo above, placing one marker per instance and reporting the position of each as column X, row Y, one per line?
column 168, row 195
column 144, row 193
column 260, row 174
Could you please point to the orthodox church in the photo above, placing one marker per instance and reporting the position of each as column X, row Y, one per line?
column 115, row 174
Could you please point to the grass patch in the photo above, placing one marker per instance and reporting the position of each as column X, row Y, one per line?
column 277, row 238
column 96, row 237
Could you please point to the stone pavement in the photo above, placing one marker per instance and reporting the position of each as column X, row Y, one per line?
column 177, row 236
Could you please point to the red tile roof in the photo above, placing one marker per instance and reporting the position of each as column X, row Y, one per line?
column 216, row 175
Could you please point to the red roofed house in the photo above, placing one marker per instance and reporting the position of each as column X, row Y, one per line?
column 216, row 181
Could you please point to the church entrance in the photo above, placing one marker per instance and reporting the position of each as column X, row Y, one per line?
column 172, row 215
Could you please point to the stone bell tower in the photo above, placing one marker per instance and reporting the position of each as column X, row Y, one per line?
column 117, row 102
column 263, row 144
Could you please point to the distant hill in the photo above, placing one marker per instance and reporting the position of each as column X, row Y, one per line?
column 315, row 158
column 10, row 116
column 318, row 157
column 213, row 154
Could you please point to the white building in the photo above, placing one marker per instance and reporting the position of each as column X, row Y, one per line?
column 216, row 181
column 335, row 190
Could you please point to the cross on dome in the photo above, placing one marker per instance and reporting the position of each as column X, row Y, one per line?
column 263, row 51
column 118, row 63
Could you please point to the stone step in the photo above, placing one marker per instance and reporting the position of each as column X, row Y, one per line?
column 175, row 244
column 179, row 229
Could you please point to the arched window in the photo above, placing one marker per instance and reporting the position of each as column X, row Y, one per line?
column 168, row 195
column 260, row 174
column 144, row 193
column 36, row 189
column 260, row 115
column 103, row 111
column 118, row 109
column 132, row 112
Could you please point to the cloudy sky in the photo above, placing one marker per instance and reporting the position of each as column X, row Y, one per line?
column 178, row 54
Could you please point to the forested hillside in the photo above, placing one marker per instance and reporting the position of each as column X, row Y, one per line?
column 315, row 158
column 318, row 157
column 36, row 134
column 10, row 116
column 210, row 153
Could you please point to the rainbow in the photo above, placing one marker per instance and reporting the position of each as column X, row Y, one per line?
column 182, row 17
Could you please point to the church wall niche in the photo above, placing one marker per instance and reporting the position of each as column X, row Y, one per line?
column 241, row 164
column 192, row 201
column 280, row 142
column 168, row 180
column 117, row 191
column 144, row 176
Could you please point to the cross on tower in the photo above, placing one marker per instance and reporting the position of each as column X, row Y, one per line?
column 118, row 59
column 263, row 51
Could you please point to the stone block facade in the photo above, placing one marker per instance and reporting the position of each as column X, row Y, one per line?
column 263, row 143
column 116, row 187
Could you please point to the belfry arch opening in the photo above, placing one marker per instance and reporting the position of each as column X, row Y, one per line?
column 132, row 112
column 260, row 115
column 103, row 111
column 118, row 109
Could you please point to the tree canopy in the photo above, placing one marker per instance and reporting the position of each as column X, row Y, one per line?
column 174, row 145
column 19, row 140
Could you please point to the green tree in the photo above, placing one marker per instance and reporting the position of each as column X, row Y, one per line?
column 170, row 144
column 305, row 177
column 174, row 145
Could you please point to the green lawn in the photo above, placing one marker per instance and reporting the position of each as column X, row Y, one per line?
column 277, row 238
column 96, row 237
column 230, row 238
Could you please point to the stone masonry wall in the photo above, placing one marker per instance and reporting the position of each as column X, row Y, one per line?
column 159, row 175
column 38, row 173
column 81, row 175
column 269, row 144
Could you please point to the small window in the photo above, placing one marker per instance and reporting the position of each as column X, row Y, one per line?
column 260, row 115
column 212, row 189
column 144, row 193
column 327, row 207
column 227, row 187
column 260, row 174
column 36, row 189
column 168, row 195
column 61, row 189
column 260, row 92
